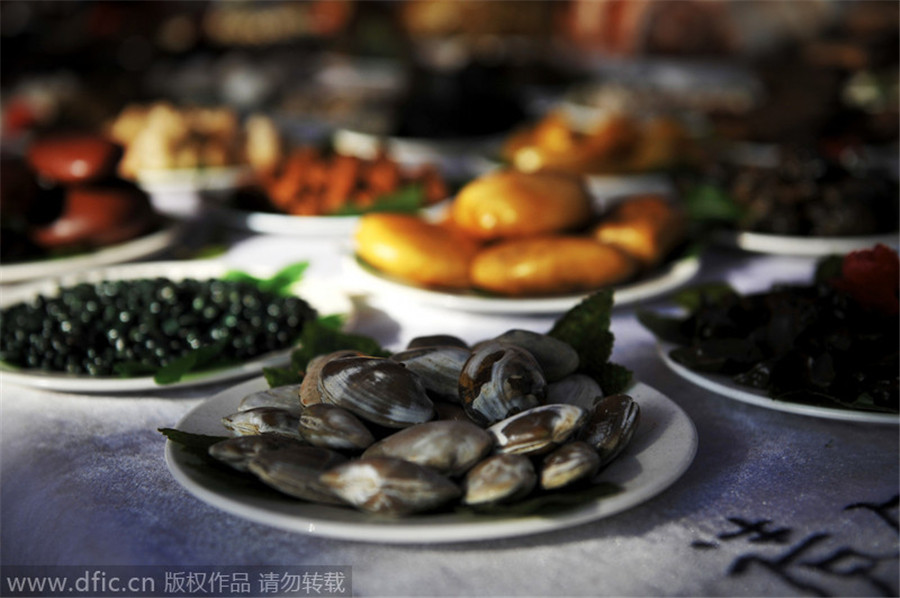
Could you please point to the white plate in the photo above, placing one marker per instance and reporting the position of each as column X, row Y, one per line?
column 665, row 279
column 726, row 387
column 660, row 452
column 802, row 246
column 341, row 227
column 188, row 180
column 134, row 249
column 321, row 295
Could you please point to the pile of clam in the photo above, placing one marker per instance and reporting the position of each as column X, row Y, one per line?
column 435, row 423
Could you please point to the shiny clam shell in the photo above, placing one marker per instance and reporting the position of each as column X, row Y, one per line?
column 378, row 390
column 499, row 478
column 333, row 427
column 575, row 389
column 309, row 387
column 283, row 397
column 556, row 358
column 436, row 340
column 498, row 381
column 538, row 430
column 261, row 420
column 240, row 450
column 389, row 486
column 447, row 446
column 296, row 471
column 438, row 367
column 572, row 462
column 611, row 425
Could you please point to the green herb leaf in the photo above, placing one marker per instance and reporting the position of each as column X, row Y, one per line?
column 663, row 327
column 279, row 283
column 586, row 328
column 692, row 298
column 710, row 203
column 406, row 199
column 175, row 370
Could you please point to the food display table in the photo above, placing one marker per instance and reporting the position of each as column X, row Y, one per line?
column 773, row 503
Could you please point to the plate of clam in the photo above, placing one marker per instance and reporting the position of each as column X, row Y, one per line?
column 440, row 442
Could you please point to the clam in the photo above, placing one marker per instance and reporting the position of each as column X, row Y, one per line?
column 261, row 420
column 538, row 430
column 611, row 425
column 295, row 471
column 437, row 366
column 309, row 387
column 333, row 427
column 240, row 450
column 283, row 397
column 449, row 447
column 448, row 410
column 437, row 340
column 376, row 389
column 557, row 358
column 499, row 478
column 569, row 463
column 575, row 389
column 389, row 486
column 498, row 381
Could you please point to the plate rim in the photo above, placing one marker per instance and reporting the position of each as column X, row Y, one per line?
column 801, row 246
column 144, row 246
column 720, row 385
column 678, row 273
column 680, row 432
column 198, row 268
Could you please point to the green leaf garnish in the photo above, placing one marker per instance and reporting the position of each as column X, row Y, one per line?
column 279, row 283
column 695, row 296
column 406, row 199
column 586, row 328
column 710, row 203
column 197, row 359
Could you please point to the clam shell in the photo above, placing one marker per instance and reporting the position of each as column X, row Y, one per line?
column 569, row 463
column 575, row 389
column 309, row 387
column 451, row 411
column 438, row 367
column 333, row 427
column 611, row 425
column 261, row 420
column 283, row 397
column 538, row 430
column 437, row 340
column 378, row 390
column 498, row 381
column 389, row 486
column 499, row 478
column 240, row 450
column 296, row 471
column 557, row 358
column 449, row 447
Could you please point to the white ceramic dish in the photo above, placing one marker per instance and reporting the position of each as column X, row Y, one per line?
column 134, row 249
column 663, row 447
column 722, row 385
column 802, row 246
column 666, row 279
column 324, row 297
column 190, row 180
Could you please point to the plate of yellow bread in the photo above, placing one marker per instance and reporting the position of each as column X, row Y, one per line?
column 514, row 242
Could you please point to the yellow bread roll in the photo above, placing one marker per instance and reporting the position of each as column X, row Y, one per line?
column 411, row 248
column 549, row 265
column 507, row 203
column 647, row 227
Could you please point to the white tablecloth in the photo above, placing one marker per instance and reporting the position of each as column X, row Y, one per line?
column 774, row 504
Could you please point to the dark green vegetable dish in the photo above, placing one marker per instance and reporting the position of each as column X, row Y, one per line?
column 832, row 343
column 152, row 326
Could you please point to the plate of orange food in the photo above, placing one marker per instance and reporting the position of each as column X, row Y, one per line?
column 513, row 242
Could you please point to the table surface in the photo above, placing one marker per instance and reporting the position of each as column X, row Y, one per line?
column 774, row 504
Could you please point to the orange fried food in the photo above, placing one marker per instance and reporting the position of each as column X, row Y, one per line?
column 646, row 227
column 416, row 250
column 549, row 265
column 507, row 203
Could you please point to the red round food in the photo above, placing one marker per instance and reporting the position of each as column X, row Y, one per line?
column 95, row 216
column 74, row 157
